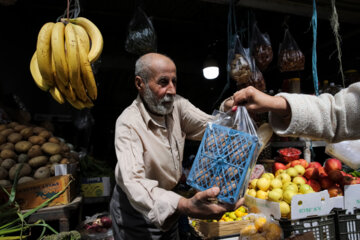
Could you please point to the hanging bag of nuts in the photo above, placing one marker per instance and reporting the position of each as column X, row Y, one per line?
column 290, row 56
column 261, row 48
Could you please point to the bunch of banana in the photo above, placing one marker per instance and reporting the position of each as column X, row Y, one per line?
column 62, row 61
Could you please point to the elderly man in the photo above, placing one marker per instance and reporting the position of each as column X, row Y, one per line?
column 149, row 142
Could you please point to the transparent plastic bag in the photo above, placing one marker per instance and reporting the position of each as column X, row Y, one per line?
column 141, row 38
column 261, row 227
column 261, row 48
column 240, row 65
column 290, row 56
column 346, row 151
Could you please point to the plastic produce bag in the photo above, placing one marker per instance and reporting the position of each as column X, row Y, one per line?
column 240, row 65
column 141, row 38
column 346, row 151
column 261, row 48
column 226, row 155
column 290, row 56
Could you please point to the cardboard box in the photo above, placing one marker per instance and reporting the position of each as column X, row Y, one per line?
column 96, row 187
column 32, row 194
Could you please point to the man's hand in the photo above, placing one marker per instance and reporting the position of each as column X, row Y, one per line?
column 199, row 206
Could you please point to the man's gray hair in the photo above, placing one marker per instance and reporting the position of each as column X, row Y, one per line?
column 142, row 69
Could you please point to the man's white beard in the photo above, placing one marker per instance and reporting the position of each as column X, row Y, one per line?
column 162, row 106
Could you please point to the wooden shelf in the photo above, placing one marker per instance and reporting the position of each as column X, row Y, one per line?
column 300, row 143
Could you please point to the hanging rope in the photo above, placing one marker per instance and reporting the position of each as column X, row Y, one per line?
column 72, row 10
column 314, row 57
column 335, row 27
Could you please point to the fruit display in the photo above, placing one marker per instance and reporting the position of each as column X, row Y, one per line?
column 260, row 228
column 62, row 61
column 34, row 148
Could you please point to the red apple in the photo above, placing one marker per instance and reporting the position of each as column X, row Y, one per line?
column 278, row 166
column 335, row 191
column 325, row 183
column 314, row 184
column 295, row 162
column 311, row 173
column 314, row 165
column 346, row 180
column 304, row 163
column 322, row 172
column 288, row 165
column 332, row 164
column 335, row 176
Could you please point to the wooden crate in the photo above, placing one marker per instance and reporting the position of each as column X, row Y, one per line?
column 219, row 229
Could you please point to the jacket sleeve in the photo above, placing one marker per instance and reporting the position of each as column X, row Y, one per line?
column 326, row 117
column 144, row 194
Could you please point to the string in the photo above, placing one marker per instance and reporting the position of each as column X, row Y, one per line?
column 335, row 27
column 314, row 57
column 72, row 10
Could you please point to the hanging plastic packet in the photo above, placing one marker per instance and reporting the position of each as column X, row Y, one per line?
column 141, row 38
column 346, row 151
column 261, row 48
column 240, row 68
column 226, row 155
column 290, row 56
column 257, row 79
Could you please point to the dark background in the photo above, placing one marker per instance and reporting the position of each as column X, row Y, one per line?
column 187, row 31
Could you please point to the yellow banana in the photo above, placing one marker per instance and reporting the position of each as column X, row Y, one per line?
column 58, row 48
column 35, row 72
column 43, row 52
column 55, row 93
column 85, row 66
column 72, row 56
column 76, row 103
column 67, row 91
column 94, row 33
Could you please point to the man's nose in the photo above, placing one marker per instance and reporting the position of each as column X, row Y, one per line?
column 171, row 89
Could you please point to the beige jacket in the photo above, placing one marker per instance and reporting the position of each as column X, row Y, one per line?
column 149, row 153
column 327, row 117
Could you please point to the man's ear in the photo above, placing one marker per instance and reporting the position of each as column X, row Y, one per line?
column 139, row 83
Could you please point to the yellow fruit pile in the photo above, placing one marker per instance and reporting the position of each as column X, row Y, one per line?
column 260, row 228
column 236, row 215
column 279, row 188
column 62, row 61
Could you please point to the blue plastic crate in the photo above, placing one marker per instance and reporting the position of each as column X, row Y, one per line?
column 224, row 159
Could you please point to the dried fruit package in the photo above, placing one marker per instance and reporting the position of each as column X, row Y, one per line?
column 240, row 64
column 261, row 48
column 290, row 56
column 141, row 37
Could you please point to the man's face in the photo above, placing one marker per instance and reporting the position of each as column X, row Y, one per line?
column 160, row 90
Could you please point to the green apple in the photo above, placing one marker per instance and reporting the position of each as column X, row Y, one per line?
column 288, row 195
column 300, row 169
column 263, row 184
column 303, row 188
column 274, row 196
column 276, row 183
column 284, row 209
column 292, row 172
column 291, row 187
column 284, row 177
column 299, row 180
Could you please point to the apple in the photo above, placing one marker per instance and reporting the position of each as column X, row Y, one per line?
column 294, row 163
column 285, row 185
column 311, row 173
column 300, row 169
column 304, row 163
column 253, row 183
column 275, row 196
column 335, row 176
column 309, row 191
column 322, row 172
column 284, row 209
column 292, row 172
column 314, row 165
column 277, row 166
column 291, row 187
column 346, row 180
column 269, row 176
column 261, row 194
column 279, row 190
column 288, row 165
column 303, row 188
column 325, row 182
column 252, row 192
column 335, row 191
column 263, row 184
column 315, row 185
column 288, row 195
column 299, row 180
column 276, row 183
column 278, row 172
column 284, row 177
column 332, row 164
